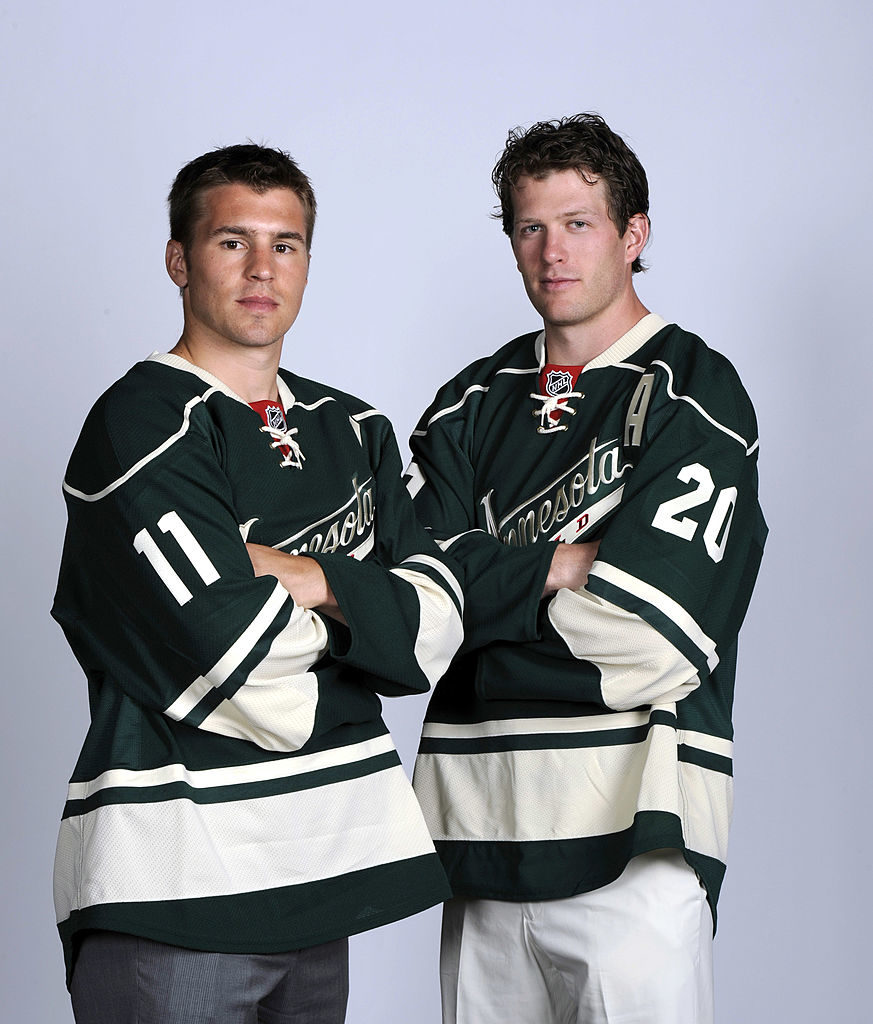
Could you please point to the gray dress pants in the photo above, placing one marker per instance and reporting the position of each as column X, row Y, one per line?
column 124, row 979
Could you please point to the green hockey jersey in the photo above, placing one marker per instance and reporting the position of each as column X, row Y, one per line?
column 237, row 789
column 575, row 733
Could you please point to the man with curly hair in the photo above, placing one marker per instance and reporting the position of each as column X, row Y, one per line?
column 597, row 480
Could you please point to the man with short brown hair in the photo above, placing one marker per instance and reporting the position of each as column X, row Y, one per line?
column 243, row 577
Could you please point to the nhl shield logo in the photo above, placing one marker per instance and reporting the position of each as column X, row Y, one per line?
column 275, row 417
column 559, row 383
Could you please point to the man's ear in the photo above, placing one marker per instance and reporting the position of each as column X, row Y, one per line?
column 636, row 235
column 177, row 268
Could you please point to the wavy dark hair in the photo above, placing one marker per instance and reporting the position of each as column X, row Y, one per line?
column 583, row 143
column 259, row 167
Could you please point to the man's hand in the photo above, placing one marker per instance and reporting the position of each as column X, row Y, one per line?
column 301, row 576
column 570, row 565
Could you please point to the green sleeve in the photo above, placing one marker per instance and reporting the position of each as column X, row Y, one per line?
column 503, row 584
column 403, row 603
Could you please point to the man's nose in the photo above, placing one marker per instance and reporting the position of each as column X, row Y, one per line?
column 261, row 264
column 554, row 249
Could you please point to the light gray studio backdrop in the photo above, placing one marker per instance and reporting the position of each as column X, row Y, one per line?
column 753, row 121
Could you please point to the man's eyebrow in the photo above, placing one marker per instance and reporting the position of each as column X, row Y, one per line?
column 582, row 212
column 230, row 229
column 238, row 229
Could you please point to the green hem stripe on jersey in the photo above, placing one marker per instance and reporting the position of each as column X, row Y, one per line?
column 546, row 741
column 554, row 868
column 274, row 920
column 583, row 738
column 239, row 791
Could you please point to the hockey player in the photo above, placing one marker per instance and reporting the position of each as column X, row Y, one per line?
column 597, row 480
column 242, row 576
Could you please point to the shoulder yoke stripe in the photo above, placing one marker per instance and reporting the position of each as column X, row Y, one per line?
column 696, row 405
column 171, row 440
column 484, row 388
column 451, row 408
column 358, row 416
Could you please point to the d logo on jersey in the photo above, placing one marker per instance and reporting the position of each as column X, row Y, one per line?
column 559, row 383
column 275, row 418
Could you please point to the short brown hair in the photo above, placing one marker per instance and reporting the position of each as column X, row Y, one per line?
column 259, row 167
column 581, row 142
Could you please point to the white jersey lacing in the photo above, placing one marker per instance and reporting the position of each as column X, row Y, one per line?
column 294, row 457
column 551, row 404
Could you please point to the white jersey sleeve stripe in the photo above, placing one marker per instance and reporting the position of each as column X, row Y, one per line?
column 637, row 664
column 672, row 609
column 441, row 627
column 442, row 569
column 307, row 652
column 276, row 714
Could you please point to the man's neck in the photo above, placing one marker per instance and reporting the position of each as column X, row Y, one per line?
column 249, row 372
column 578, row 344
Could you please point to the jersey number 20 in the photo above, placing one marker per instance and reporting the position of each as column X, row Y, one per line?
column 669, row 516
